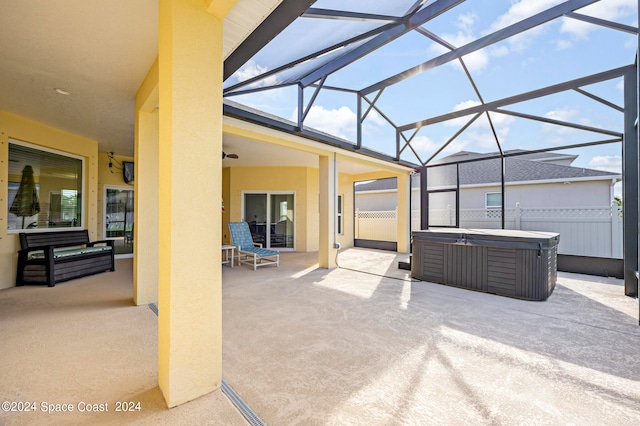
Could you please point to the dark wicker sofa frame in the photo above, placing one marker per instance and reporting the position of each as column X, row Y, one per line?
column 52, row 257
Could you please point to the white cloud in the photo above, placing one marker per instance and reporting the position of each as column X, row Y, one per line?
column 609, row 163
column 522, row 9
column 562, row 114
column 500, row 121
column 477, row 135
column 475, row 61
column 577, row 30
column 466, row 21
column 517, row 12
column 250, row 70
column 459, row 122
column 374, row 118
column 340, row 122
column 610, row 10
column 466, row 104
column 564, row 44
column 480, row 135
column 426, row 147
column 498, row 50
column 559, row 134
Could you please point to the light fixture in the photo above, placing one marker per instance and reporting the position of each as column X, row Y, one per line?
column 61, row 91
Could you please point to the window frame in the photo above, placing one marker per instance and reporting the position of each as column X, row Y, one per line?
column 82, row 189
column 486, row 201
column 268, row 194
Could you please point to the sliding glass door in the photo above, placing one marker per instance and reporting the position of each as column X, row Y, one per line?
column 118, row 219
column 271, row 218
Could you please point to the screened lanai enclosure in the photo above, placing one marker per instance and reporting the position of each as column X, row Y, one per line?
column 461, row 90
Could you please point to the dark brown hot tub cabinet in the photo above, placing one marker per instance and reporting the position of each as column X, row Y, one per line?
column 521, row 264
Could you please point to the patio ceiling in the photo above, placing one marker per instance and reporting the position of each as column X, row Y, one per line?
column 99, row 52
column 252, row 154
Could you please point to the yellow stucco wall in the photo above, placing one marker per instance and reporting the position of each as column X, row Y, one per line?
column 109, row 176
column 345, row 188
column 226, row 198
column 301, row 180
column 304, row 181
column 19, row 128
column 312, row 225
column 146, row 190
column 190, row 60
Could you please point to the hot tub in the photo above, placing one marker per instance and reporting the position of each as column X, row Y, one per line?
column 521, row 264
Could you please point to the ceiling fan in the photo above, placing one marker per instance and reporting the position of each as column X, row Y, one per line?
column 225, row 155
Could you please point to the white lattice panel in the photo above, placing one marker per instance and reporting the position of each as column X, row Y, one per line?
column 383, row 214
column 572, row 213
column 591, row 231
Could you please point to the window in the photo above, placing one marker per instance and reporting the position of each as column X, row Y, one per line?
column 45, row 188
column 339, row 223
column 493, row 200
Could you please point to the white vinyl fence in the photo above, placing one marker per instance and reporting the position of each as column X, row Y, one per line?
column 377, row 225
column 585, row 231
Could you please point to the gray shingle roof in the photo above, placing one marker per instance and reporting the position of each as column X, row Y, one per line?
column 521, row 168
column 468, row 155
column 377, row 185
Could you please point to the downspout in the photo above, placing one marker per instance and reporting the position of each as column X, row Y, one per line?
column 336, row 244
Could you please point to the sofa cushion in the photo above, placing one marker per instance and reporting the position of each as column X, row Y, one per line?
column 63, row 252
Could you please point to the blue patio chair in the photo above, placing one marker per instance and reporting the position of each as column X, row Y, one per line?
column 249, row 252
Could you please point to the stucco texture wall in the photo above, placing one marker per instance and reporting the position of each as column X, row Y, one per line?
column 301, row 180
column 345, row 188
column 304, row 181
column 38, row 134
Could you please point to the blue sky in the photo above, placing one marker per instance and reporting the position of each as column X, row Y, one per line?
column 560, row 50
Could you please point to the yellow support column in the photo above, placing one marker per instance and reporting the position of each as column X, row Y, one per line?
column 146, row 230
column 326, row 252
column 404, row 213
column 190, row 166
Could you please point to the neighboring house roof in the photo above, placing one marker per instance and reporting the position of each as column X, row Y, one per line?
column 521, row 153
column 521, row 168
column 381, row 185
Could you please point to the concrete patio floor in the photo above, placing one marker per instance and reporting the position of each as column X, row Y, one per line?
column 304, row 345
